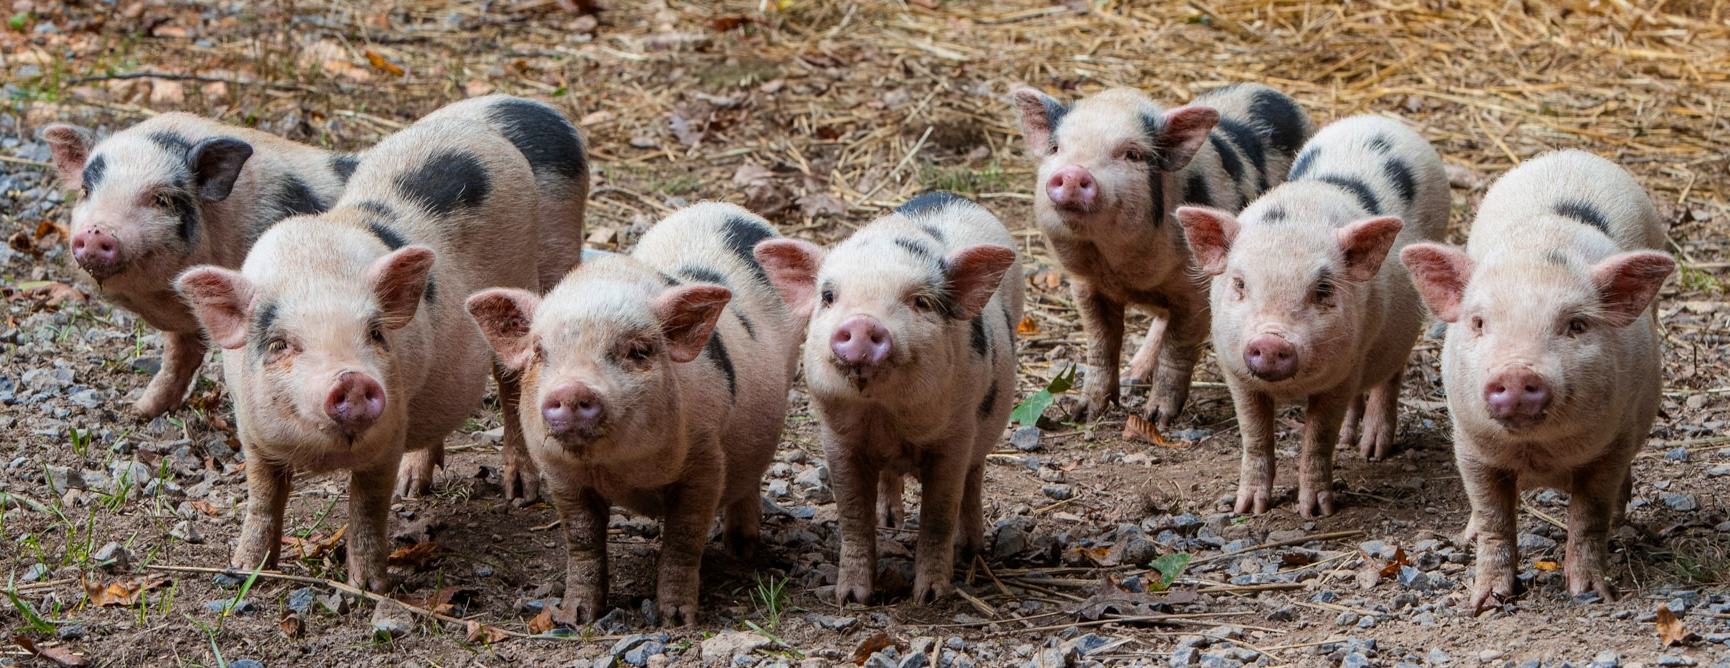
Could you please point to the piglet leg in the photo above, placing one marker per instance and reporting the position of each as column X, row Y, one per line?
column 583, row 514
column 1381, row 418
column 1102, row 319
column 1593, row 494
column 1316, row 462
column 856, row 498
column 267, row 488
column 1493, row 495
column 690, row 512
column 369, row 494
column 522, row 478
column 182, row 353
column 1255, row 413
column 942, row 479
column 890, row 509
column 415, row 475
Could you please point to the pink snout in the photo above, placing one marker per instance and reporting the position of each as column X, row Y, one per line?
column 97, row 252
column 1517, row 397
column 354, row 402
column 572, row 409
column 1072, row 187
column 1270, row 357
column 861, row 342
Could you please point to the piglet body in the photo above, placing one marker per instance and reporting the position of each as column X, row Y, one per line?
column 656, row 381
column 1552, row 361
column 911, row 363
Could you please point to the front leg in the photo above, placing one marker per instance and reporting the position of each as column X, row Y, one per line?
column 1102, row 319
column 942, row 479
column 1316, row 462
column 1594, row 494
column 414, row 476
column 369, row 494
column 691, row 506
column 855, row 481
column 267, row 487
column 522, row 479
column 182, row 353
column 1255, row 414
column 1493, row 494
column 583, row 514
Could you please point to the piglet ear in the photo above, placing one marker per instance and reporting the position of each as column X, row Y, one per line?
column 1441, row 273
column 688, row 316
column 398, row 281
column 974, row 274
column 1039, row 114
column 215, row 164
column 1627, row 283
column 70, row 145
column 1186, row 129
column 1366, row 244
column 504, row 315
column 222, row 301
column 792, row 267
column 1210, row 233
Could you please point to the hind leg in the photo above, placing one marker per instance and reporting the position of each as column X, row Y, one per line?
column 891, row 512
column 970, row 526
column 1380, row 417
column 414, row 476
column 742, row 526
column 522, row 479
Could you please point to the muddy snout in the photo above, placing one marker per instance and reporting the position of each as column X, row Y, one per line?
column 1517, row 397
column 1271, row 357
column 1072, row 188
column 354, row 403
column 97, row 252
column 861, row 346
column 572, row 410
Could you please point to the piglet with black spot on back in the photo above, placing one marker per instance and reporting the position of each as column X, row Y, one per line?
column 910, row 357
column 656, row 381
column 176, row 191
column 1553, row 361
column 345, row 339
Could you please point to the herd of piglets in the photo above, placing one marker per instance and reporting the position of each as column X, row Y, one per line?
column 361, row 301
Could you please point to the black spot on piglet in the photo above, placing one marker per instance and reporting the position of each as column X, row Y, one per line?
column 1583, row 212
column 549, row 142
column 446, row 182
column 742, row 235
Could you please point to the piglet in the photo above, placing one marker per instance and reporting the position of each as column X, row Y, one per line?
column 1552, row 361
column 345, row 339
column 1307, row 306
column 171, row 192
column 1112, row 168
column 910, row 360
column 656, row 381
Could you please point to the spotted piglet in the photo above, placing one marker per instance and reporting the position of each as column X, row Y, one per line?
column 656, row 381
column 1112, row 168
column 1307, row 306
column 176, row 191
column 1553, row 360
column 345, row 339
column 910, row 360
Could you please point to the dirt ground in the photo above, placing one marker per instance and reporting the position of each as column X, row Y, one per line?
column 822, row 115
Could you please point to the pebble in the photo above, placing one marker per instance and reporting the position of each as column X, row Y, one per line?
column 1673, row 660
column 833, row 623
column 1412, row 578
column 188, row 532
column 1026, row 439
column 1346, row 619
column 1058, row 492
column 1489, row 655
column 112, row 558
column 246, row 663
column 1607, row 660
column 1718, row 471
column 1438, row 657
column 726, row 646
column 230, row 606
column 1679, row 502
column 1355, row 660
column 34, row 572
column 89, row 399
column 1677, row 454
column 70, row 632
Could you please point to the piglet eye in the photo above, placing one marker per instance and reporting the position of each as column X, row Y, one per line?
column 641, row 352
column 163, row 200
column 925, row 303
column 1237, row 283
column 1132, row 155
column 276, row 345
column 828, row 297
column 1324, row 290
column 1477, row 324
column 1577, row 326
column 377, row 335
column 1053, row 150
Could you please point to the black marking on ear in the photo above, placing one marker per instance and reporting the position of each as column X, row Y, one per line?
column 990, row 400
column 344, row 166
column 447, row 181
column 1195, row 191
column 980, row 339
column 929, row 203
column 1401, row 175
column 1054, row 113
column 1584, row 212
column 548, row 141
column 1304, row 162
column 184, row 205
column 1358, row 189
column 387, row 235
column 1227, row 157
column 93, row 171
column 1251, row 142
column 295, row 198
column 739, row 313
column 1380, row 144
column 261, row 328
column 717, row 352
column 742, row 234
column 918, row 249
column 1282, row 117
column 701, row 274
column 172, row 142
column 1275, row 214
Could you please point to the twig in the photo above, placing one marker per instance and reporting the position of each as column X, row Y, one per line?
column 182, row 77
column 898, row 166
column 1543, row 516
column 23, row 161
column 1295, row 541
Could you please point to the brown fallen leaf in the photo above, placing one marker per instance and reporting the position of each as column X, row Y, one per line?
column 1137, row 428
column 1392, row 568
column 482, row 633
column 1097, row 554
column 47, row 227
column 1113, row 599
column 869, row 646
column 417, row 555
column 59, row 655
column 543, row 622
column 125, row 591
column 1028, row 326
column 1670, row 631
column 291, row 626
column 315, row 546
column 50, row 293
column 444, row 600
column 380, row 62
column 1547, row 566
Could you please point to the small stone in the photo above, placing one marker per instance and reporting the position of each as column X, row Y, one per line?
column 1673, row 660
column 1211, row 660
column 1438, row 658
column 1325, row 596
column 71, row 632
column 725, row 646
column 229, row 606
column 187, row 532
column 642, row 142
column 1412, row 578
column 1011, row 539
column 1058, row 492
column 1718, row 471
column 1184, row 657
column 1607, row 660
column 1531, row 542
column 1026, row 439
column 1679, row 502
column 1346, row 619
column 61, row 479
column 1489, row 655
column 1531, row 663
column 1368, row 622
column 641, row 654
column 112, row 557
column 246, row 663
column 392, row 620
column 34, row 572
column 301, row 600
column 1676, row 454
column 89, row 399
column 1285, row 614
column 1355, row 660
column 833, row 623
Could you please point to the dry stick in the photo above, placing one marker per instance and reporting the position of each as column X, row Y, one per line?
column 22, row 161
column 1283, row 543
column 897, row 170
column 1541, row 515
column 347, row 589
column 183, row 77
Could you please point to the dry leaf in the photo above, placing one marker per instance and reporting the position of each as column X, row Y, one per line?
column 125, row 591
column 1028, row 326
column 871, row 645
column 50, row 293
column 1137, row 428
column 1670, row 631
column 1392, row 568
column 59, row 655
column 379, row 62
column 445, row 600
column 1113, row 599
column 543, row 622
column 316, row 546
column 482, row 633
column 1547, row 566
column 47, row 227
column 417, row 555
column 821, row 204
column 291, row 626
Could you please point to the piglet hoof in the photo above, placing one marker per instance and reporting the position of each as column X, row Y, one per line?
column 414, row 476
column 930, row 590
column 1584, row 581
column 1253, row 498
column 1315, row 503
column 853, row 588
column 580, row 607
column 522, row 479
column 1377, row 442
column 158, row 398
column 1492, row 592
column 391, row 620
column 741, row 544
column 1094, row 407
column 680, row 611
column 1162, row 411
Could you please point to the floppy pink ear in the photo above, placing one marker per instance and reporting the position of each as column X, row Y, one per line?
column 688, row 316
column 792, row 267
column 1627, row 283
column 222, row 301
column 1186, row 130
column 974, row 273
column 1366, row 244
column 398, row 280
column 1039, row 114
column 1210, row 233
column 1441, row 273
column 504, row 315
column 70, row 145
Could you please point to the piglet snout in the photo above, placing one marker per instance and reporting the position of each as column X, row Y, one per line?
column 97, row 252
column 354, row 402
column 1270, row 357
column 1517, row 396
column 861, row 341
column 573, row 408
column 1072, row 187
